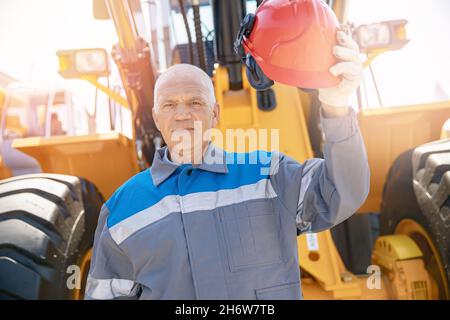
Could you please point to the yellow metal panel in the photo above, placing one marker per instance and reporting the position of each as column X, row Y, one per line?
column 4, row 171
column 387, row 132
column 107, row 160
column 239, row 110
column 326, row 266
column 289, row 118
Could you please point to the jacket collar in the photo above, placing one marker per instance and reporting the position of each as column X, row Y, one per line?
column 214, row 160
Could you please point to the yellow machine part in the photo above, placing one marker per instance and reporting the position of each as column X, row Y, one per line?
column 413, row 229
column 403, row 270
column 401, row 275
column 107, row 159
column 238, row 109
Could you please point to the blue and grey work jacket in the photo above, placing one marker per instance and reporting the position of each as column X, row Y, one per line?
column 225, row 229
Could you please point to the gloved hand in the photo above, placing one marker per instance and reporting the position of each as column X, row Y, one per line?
column 350, row 69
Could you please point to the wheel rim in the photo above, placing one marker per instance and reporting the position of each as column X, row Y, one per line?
column 432, row 259
column 84, row 270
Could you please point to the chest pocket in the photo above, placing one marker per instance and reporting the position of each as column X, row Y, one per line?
column 252, row 234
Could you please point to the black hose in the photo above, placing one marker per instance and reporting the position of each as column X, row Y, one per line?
column 188, row 31
column 199, row 37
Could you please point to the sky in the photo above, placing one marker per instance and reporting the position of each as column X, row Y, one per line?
column 31, row 31
column 420, row 72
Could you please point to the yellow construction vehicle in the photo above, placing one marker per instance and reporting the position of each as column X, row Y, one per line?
column 396, row 247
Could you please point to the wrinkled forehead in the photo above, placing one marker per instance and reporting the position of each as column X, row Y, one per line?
column 183, row 85
column 182, row 91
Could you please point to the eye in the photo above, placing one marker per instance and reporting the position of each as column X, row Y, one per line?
column 197, row 103
column 168, row 105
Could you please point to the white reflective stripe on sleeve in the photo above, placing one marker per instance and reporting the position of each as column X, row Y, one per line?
column 191, row 202
column 110, row 288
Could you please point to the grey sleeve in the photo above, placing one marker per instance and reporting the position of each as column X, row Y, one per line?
column 324, row 192
column 111, row 273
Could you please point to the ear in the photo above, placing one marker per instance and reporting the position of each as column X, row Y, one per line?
column 155, row 118
column 216, row 115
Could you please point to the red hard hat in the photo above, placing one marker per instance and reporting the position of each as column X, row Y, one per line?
column 292, row 40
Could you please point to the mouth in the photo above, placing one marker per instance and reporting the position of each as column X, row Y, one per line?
column 182, row 129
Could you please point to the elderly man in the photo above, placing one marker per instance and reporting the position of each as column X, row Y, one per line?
column 221, row 228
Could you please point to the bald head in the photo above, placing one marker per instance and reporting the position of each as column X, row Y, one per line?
column 184, row 75
column 185, row 104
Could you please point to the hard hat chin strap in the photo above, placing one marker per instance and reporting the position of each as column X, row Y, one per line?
column 255, row 75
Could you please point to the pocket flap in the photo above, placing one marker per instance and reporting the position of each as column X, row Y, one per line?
column 289, row 291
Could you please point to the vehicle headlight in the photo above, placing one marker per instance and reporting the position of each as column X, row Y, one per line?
column 386, row 35
column 80, row 63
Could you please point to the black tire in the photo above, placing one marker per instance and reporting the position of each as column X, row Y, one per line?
column 418, row 188
column 47, row 222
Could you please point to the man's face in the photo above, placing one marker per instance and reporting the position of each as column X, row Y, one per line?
column 183, row 104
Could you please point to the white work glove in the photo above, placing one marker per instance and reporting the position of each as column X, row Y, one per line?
column 350, row 69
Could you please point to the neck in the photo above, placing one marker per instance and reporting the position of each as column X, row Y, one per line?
column 191, row 156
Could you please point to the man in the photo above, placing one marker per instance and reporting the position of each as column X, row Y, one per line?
column 220, row 228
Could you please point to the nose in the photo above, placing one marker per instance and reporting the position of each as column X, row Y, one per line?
column 182, row 113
